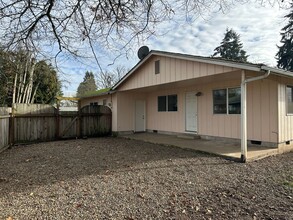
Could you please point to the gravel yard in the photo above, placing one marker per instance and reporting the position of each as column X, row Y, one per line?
column 116, row 178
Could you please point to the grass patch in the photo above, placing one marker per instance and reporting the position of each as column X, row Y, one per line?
column 289, row 182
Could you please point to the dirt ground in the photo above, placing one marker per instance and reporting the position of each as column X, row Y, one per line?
column 116, row 178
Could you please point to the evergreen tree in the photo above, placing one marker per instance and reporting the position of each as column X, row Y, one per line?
column 49, row 86
column 285, row 53
column 231, row 47
column 88, row 84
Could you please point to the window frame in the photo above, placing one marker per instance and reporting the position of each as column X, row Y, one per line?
column 287, row 99
column 166, row 98
column 227, row 101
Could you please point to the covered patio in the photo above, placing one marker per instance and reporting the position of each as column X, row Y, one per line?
column 228, row 149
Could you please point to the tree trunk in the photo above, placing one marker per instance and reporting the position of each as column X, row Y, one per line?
column 34, row 94
column 14, row 88
column 30, row 83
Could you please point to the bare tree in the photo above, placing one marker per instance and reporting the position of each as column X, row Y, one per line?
column 119, row 71
column 107, row 79
column 69, row 25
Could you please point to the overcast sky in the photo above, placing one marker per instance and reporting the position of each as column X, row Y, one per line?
column 259, row 28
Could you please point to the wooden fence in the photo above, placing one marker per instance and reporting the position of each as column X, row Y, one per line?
column 38, row 122
column 4, row 127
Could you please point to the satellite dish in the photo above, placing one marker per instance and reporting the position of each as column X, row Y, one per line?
column 143, row 52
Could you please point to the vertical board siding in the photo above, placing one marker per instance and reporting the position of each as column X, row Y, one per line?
column 261, row 111
column 4, row 127
column 124, row 111
column 285, row 132
column 171, row 70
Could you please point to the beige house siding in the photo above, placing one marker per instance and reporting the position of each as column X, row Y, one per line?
column 114, row 112
column 125, row 110
column 285, row 120
column 261, row 109
column 171, row 70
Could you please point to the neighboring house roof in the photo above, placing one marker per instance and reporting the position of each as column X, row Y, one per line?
column 209, row 60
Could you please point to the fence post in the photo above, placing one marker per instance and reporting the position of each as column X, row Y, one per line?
column 57, row 135
column 11, row 126
column 78, row 124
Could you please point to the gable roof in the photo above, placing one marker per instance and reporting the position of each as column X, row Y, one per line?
column 208, row 60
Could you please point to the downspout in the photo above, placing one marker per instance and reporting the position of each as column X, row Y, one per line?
column 244, row 110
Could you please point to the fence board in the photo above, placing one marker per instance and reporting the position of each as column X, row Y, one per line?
column 4, row 127
column 96, row 121
column 37, row 122
column 34, row 122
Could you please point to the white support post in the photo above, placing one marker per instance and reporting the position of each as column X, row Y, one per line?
column 243, row 119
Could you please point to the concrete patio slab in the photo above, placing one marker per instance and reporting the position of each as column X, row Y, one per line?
column 230, row 150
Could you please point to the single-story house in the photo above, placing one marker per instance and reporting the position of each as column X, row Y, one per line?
column 215, row 98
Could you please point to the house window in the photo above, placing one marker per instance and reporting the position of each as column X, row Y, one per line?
column 172, row 103
column 227, row 101
column 220, row 101
column 157, row 66
column 162, row 104
column 167, row 103
column 234, row 100
column 104, row 101
column 289, row 91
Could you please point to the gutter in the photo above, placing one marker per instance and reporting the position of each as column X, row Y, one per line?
column 244, row 109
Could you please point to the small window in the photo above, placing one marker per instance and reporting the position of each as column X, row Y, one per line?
column 157, row 66
column 220, row 101
column 162, row 105
column 167, row 103
column 289, row 99
column 172, row 103
column 104, row 101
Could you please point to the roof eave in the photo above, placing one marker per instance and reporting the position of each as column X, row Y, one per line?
column 278, row 71
column 242, row 66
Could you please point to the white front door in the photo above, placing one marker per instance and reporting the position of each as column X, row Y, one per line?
column 191, row 112
column 139, row 116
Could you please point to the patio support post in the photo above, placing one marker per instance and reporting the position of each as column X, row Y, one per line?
column 244, row 109
column 243, row 118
